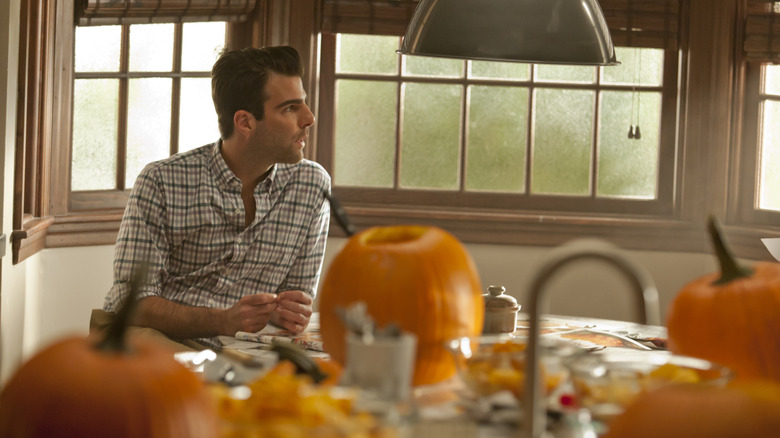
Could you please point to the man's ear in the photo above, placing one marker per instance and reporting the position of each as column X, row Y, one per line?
column 244, row 122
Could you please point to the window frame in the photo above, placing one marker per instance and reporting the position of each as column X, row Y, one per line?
column 662, row 206
column 45, row 213
column 713, row 174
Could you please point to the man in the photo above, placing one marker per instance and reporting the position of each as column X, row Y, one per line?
column 234, row 231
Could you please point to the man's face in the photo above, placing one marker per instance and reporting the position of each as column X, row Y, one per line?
column 282, row 133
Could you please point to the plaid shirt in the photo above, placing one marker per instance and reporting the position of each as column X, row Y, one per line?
column 186, row 216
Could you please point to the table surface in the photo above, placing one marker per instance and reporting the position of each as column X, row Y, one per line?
column 439, row 408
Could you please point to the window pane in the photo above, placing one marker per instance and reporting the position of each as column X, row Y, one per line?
column 769, row 191
column 197, row 117
column 637, row 66
column 565, row 73
column 365, row 133
column 425, row 66
column 628, row 167
column 497, row 138
column 151, row 47
column 431, row 136
column 95, row 103
column 103, row 40
column 201, row 45
column 148, row 124
column 499, row 70
column 772, row 79
column 563, row 130
column 367, row 54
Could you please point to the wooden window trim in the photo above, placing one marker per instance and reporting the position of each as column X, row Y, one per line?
column 710, row 101
column 705, row 149
column 45, row 213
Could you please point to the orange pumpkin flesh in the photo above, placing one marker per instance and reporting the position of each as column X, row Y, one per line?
column 101, row 386
column 420, row 278
column 732, row 318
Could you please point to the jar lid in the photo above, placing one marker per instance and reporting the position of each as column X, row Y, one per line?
column 495, row 298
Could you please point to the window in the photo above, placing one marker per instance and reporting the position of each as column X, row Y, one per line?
column 712, row 124
column 503, row 152
column 520, row 134
column 141, row 101
column 758, row 179
column 105, row 153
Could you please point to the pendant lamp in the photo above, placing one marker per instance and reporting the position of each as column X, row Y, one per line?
column 532, row 31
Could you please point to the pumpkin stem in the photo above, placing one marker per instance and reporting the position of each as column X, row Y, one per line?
column 730, row 270
column 114, row 339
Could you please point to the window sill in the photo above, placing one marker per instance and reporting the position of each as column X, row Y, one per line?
column 626, row 232
column 471, row 226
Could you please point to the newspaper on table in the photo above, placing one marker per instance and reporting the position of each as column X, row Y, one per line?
column 309, row 339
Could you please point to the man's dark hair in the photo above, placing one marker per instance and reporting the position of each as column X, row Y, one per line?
column 238, row 80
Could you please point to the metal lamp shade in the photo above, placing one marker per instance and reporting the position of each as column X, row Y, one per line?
column 532, row 31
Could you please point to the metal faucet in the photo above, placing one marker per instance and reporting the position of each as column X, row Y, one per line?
column 647, row 309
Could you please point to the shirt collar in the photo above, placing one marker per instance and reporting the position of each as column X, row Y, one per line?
column 227, row 179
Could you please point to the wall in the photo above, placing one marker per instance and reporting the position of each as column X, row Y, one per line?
column 66, row 283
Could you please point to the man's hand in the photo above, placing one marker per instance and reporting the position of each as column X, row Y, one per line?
column 293, row 310
column 250, row 314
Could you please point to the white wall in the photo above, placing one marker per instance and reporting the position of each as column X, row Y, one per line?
column 584, row 288
column 64, row 284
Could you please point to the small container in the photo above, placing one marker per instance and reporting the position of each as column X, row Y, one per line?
column 500, row 311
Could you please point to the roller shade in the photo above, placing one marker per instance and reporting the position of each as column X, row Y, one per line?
column 642, row 23
column 374, row 17
column 105, row 12
column 762, row 31
column 632, row 23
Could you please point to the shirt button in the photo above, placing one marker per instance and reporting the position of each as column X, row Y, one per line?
column 238, row 239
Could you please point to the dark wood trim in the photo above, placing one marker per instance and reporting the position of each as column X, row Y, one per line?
column 712, row 146
column 31, row 238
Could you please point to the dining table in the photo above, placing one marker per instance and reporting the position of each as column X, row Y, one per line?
column 445, row 409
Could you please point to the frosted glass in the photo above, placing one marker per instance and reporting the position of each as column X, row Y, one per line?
column 769, row 191
column 365, row 133
column 95, row 115
column 151, row 47
column 433, row 67
column 497, row 139
column 499, row 70
column 628, row 167
column 148, row 124
column 565, row 73
column 772, row 79
column 97, row 48
column 563, row 133
column 430, row 135
column 202, row 44
column 367, row 54
column 197, row 117
column 649, row 63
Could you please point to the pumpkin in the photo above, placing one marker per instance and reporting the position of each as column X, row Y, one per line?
column 418, row 277
column 745, row 410
column 732, row 318
column 105, row 386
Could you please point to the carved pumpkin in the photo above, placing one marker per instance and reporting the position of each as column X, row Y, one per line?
column 745, row 410
column 732, row 318
column 420, row 278
column 90, row 387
